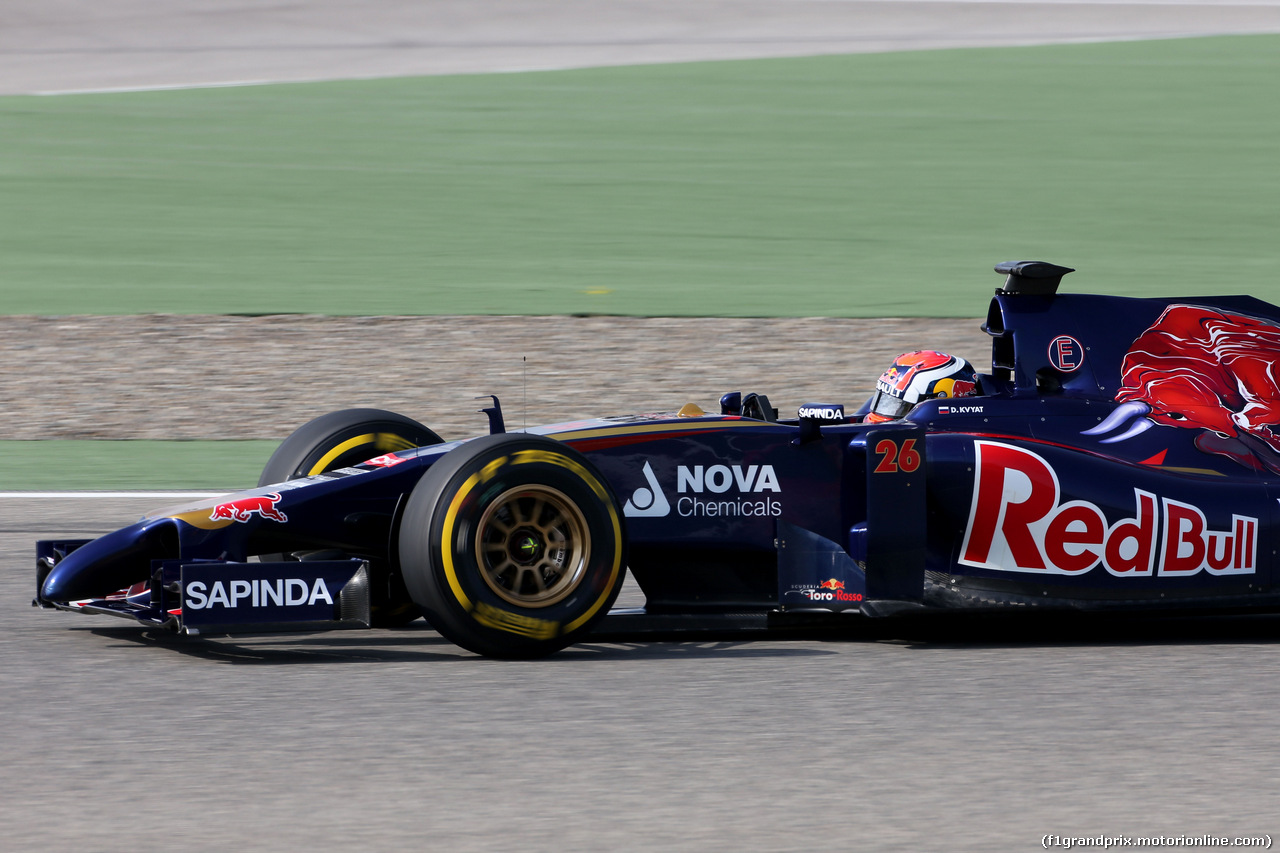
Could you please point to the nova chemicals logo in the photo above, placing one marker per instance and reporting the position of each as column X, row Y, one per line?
column 747, row 490
column 647, row 502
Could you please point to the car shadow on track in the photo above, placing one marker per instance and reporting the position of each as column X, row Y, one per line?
column 296, row 649
column 1068, row 629
column 720, row 645
column 420, row 644
column 1002, row 630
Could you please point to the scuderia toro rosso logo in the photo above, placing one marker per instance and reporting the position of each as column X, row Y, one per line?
column 709, row 491
column 1019, row 523
column 829, row 590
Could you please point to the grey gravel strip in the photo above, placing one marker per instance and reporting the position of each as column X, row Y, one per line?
column 221, row 377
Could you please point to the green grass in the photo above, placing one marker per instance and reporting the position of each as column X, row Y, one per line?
column 864, row 185
column 35, row 465
column 867, row 185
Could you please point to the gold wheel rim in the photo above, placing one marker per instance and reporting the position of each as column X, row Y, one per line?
column 532, row 545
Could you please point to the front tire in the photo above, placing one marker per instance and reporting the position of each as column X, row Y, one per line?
column 513, row 546
column 341, row 439
column 338, row 440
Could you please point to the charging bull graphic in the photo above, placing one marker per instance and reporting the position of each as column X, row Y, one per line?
column 1199, row 368
column 244, row 509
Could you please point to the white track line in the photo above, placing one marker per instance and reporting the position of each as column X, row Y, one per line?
column 1204, row 3
column 176, row 87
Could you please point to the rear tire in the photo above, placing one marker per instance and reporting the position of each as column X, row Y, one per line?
column 513, row 546
column 338, row 440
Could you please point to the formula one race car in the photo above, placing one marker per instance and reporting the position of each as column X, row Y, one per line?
column 1121, row 453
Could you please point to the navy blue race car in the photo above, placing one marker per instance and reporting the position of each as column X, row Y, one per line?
column 1121, row 453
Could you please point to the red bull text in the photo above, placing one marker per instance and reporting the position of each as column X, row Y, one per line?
column 1019, row 523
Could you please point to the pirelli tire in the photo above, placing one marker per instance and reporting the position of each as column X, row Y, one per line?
column 513, row 546
column 339, row 440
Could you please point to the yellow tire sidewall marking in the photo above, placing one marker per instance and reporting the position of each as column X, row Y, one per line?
column 386, row 442
column 446, row 542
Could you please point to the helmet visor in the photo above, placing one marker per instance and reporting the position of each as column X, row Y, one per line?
column 889, row 407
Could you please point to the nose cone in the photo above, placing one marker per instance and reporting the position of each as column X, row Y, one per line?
column 107, row 564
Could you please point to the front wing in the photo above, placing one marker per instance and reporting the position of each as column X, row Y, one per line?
column 216, row 596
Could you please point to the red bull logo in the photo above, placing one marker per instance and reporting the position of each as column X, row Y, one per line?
column 831, row 584
column 1019, row 523
column 245, row 508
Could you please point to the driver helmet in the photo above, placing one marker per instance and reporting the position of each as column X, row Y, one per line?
column 916, row 376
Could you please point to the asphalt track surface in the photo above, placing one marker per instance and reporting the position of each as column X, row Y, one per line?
column 958, row 735
column 942, row 736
